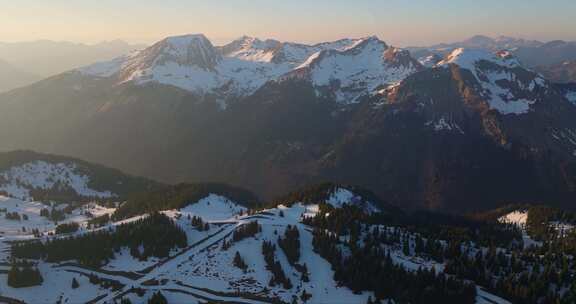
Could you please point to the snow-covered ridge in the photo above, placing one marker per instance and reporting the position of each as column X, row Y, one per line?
column 239, row 68
column 18, row 181
column 430, row 60
column 469, row 58
column 358, row 70
column 506, row 86
column 252, row 49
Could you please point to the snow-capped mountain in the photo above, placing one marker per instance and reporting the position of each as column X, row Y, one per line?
column 192, row 63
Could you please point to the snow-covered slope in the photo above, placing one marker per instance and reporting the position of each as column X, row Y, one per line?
column 18, row 181
column 507, row 87
column 205, row 271
column 192, row 63
column 430, row 60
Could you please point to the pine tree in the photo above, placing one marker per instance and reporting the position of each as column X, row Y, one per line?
column 304, row 296
column 75, row 283
column 406, row 246
column 125, row 301
column 239, row 262
column 157, row 298
column 24, row 276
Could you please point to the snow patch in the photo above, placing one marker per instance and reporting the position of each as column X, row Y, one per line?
column 444, row 124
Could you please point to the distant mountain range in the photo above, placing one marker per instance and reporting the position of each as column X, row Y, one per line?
column 564, row 72
column 531, row 53
column 11, row 77
column 31, row 61
column 467, row 129
column 494, row 44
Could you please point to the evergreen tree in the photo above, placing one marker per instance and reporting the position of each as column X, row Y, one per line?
column 239, row 262
column 157, row 298
column 24, row 275
column 75, row 283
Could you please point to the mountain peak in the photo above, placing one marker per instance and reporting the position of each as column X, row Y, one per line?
column 252, row 49
column 186, row 39
column 366, row 41
column 192, row 49
column 479, row 39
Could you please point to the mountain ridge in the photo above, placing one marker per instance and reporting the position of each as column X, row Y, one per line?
column 366, row 114
column 244, row 65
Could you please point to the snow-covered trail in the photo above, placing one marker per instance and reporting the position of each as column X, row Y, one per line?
column 210, row 295
column 168, row 265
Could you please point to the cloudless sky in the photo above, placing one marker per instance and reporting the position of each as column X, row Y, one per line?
column 400, row 22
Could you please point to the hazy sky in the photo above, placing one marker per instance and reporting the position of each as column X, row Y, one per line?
column 400, row 22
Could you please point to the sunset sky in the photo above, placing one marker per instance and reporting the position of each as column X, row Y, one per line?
column 399, row 22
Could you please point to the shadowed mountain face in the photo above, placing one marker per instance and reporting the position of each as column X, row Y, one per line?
column 551, row 53
column 564, row 72
column 475, row 131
